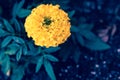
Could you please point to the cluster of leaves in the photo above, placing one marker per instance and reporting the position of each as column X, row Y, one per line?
column 82, row 35
column 17, row 51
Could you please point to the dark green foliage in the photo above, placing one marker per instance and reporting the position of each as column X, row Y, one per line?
column 49, row 69
column 3, row 33
column 97, row 44
column 6, row 41
column 87, row 38
column 71, row 13
column 63, row 3
column 17, row 24
column 18, row 40
column 50, row 58
column 5, row 63
column 39, row 63
column 17, row 7
column 23, row 13
column 45, row 60
column 12, row 49
column 19, row 54
column 80, row 39
column 8, row 26
column 25, row 49
column 18, row 72
column 51, row 49
column 76, row 55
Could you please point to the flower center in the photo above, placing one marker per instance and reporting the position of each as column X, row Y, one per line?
column 47, row 21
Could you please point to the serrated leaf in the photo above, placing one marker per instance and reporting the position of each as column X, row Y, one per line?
column 18, row 40
column 96, row 45
column 8, row 26
column 51, row 49
column 23, row 13
column 17, row 7
column 39, row 64
column 19, row 54
column 49, row 69
column 18, row 73
column 51, row 58
column 6, row 41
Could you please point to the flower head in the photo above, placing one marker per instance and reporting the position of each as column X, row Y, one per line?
column 48, row 25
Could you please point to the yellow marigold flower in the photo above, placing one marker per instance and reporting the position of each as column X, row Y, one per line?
column 48, row 25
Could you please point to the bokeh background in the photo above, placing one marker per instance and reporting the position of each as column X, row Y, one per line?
column 79, row 58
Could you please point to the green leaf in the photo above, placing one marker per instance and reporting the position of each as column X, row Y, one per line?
column 80, row 39
column 25, row 49
column 31, row 45
column 74, row 39
column 23, row 13
column 17, row 24
column 18, row 73
column 6, row 41
column 3, row 33
column 86, row 27
column 8, row 26
column 39, row 50
column 76, row 55
column 33, row 50
column 74, row 29
column 17, row 7
column 66, row 51
column 49, row 69
column 18, row 40
column 39, row 64
column 14, row 10
column 51, row 58
column 88, row 34
column 96, row 45
column 12, row 49
column 13, row 44
column 5, row 64
column 51, row 49
column 19, row 54
column 2, row 55
column 71, row 13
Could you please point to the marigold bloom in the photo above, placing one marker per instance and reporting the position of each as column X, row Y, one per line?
column 48, row 25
